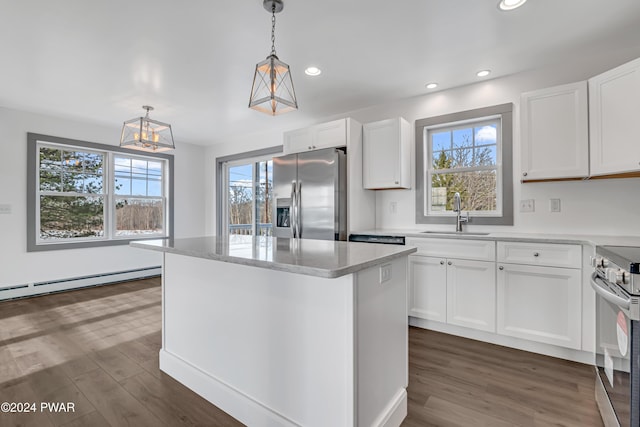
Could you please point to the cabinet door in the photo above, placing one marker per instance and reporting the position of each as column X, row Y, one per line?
column 386, row 154
column 427, row 288
column 471, row 294
column 614, row 108
column 297, row 141
column 330, row 134
column 540, row 304
column 555, row 142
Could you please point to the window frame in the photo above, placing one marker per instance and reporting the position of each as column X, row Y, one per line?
column 34, row 243
column 222, row 164
column 504, row 165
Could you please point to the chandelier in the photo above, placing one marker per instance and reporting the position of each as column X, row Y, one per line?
column 272, row 91
column 146, row 134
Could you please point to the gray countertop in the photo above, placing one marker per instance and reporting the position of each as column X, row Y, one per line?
column 580, row 239
column 320, row 258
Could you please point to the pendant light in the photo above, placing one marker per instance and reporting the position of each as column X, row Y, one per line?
column 145, row 134
column 272, row 91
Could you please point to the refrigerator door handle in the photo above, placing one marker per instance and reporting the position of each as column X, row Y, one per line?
column 293, row 208
column 299, row 210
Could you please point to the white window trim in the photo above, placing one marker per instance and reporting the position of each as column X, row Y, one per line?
column 115, row 197
column 430, row 171
column 35, row 243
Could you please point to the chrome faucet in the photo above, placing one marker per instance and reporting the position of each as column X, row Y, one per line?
column 458, row 210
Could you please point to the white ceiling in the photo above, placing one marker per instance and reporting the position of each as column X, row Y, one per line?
column 194, row 60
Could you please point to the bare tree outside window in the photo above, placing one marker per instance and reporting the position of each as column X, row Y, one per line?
column 464, row 160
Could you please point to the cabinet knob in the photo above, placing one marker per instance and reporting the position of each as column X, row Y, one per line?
column 396, row 182
column 449, row 263
column 501, row 268
column 309, row 147
column 536, row 254
column 524, row 174
column 441, row 262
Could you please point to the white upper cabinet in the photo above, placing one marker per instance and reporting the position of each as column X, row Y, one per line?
column 614, row 109
column 554, row 133
column 317, row 137
column 387, row 154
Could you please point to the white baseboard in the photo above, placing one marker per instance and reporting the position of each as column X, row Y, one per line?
column 40, row 288
column 235, row 403
column 395, row 413
column 579, row 356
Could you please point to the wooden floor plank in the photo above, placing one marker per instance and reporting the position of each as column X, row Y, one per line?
column 113, row 402
column 98, row 347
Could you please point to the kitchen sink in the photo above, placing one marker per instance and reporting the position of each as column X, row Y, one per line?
column 461, row 233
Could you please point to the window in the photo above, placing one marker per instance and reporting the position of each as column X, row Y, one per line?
column 84, row 194
column 245, row 187
column 468, row 153
column 139, row 200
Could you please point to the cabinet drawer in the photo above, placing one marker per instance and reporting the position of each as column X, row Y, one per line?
column 547, row 254
column 454, row 248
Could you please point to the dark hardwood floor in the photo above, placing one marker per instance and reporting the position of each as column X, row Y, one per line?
column 98, row 348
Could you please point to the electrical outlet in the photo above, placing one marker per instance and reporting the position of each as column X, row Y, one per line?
column 554, row 205
column 527, row 205
column 5, row 209
column 393, row 207
column 385, row 273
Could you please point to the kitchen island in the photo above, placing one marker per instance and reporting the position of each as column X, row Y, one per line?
column 287, row 332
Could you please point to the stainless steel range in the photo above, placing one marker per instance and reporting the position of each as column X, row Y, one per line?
column 616, row 281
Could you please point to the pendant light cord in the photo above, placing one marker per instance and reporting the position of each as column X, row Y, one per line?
column 273, row 30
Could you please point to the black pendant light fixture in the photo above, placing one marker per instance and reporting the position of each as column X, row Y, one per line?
column 272, row 91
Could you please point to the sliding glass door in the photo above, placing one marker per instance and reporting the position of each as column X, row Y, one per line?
column 248, row 187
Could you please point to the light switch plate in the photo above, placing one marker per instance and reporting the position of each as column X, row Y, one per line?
column 5, row 209
column 554, row 205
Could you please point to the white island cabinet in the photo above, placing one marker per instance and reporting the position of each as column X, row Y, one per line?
column 288, row 332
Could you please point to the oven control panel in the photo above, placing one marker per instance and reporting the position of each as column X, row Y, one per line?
column 612, row 273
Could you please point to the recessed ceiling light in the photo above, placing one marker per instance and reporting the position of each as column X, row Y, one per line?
column 483, row 73
column 432, row 85
column 510, row 4
column 313, row 71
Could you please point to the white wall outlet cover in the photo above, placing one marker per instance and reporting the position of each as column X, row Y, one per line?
column 385, row 273
column 554, row 205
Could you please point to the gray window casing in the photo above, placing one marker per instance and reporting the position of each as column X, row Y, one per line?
column 505, row 111
column 32, row 172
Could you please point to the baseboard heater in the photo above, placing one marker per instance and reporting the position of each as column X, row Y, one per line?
column 39, row 288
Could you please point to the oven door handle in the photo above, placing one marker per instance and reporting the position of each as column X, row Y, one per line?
column 607, row 294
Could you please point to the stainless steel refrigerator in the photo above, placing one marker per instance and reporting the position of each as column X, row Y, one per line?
column 310, row 191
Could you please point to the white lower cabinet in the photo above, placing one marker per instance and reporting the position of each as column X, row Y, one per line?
column 471, row 294
column 513, row 290
column 456, row 291
column 427, row 288
column 542, row 304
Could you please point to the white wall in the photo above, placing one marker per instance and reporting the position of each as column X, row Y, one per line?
column 583, row 210
column 19, row 267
